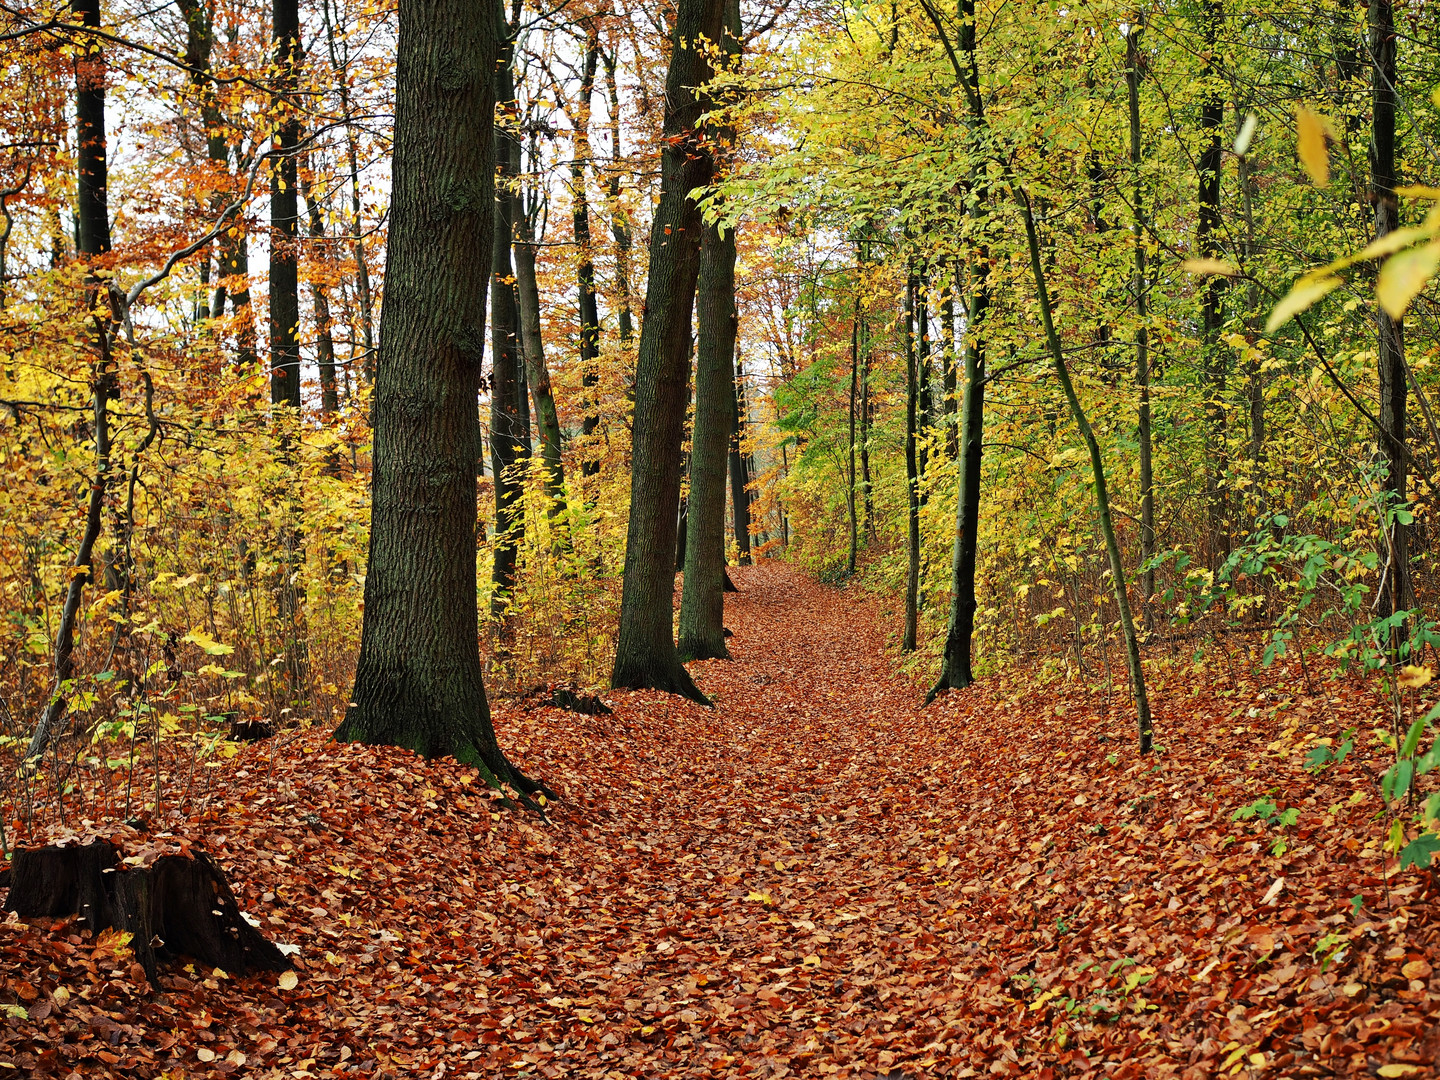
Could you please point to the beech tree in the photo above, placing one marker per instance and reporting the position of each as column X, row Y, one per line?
column 418, row 681
column 645, row 653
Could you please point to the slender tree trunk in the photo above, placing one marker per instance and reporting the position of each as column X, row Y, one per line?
column 418, row 682
column 702, row 605
column 1097, row 466
column 925, row 415
column 1141, row 286
column 850, row 458
column 324, row 321
column 1398, row 594
column 739, row 467
column 285, row 213
column 508, row 427
column 645, row 654
column 619, row 219
column 532, row 343
column 1212, row 115
column 93, row 236
column 585, row 254
column 867, row 487
column 912, row 476
column 948, row 355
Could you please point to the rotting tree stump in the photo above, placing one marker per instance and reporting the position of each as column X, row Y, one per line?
column 178, row 905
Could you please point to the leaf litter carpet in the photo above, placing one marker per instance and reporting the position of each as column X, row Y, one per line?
column 814, row 879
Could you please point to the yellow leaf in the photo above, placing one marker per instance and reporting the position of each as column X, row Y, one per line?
column 1208, row 266
column 1305, row 292
column 1258, row 1060
column 1404, row 275
column 288, row 980
column 1396, row 1069
column 209, row 644
column 1310, row 144
column 1247, row 133
column 1418, row 191
column 1412, row 677
column 760, row 898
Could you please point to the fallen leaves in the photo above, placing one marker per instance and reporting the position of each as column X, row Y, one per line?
column 814, row 879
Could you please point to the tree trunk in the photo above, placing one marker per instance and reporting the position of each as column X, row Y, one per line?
column 1142, row 332
column 619, row 219
column 93, row 233
column 702, row 605
column 324, row 321
column 1212, row 115
column 508, row 427
column 418, row 681
column 866, row 485
column 951, row 381
column 912, row 476
column 955, row 670
column 1097, row 467
column 1397, row 594
column 850, row 443
column 585, row 255
column 537, row 372
column 645, row 654
column 285, row 212
column 739, row 468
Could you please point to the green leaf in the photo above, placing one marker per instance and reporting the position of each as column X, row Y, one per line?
column 1412, row 738
column 1396, row 781
column 1420, row 851
column 1310, row 288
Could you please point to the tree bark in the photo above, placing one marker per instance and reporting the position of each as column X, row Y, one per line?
column 324, row 321
column 1398, row 593
column 739, row 468
column 912, row 476
column 418, row 681
column 1212, row 115
column 619, row 219
column 93, row 233
column 508, row 427
column 850, row 442
column 645, row 654
column 1097, row 467
column 584, row 251
column 285, row 212
column 1141, row 287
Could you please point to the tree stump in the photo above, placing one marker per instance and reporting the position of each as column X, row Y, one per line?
column 178, row 905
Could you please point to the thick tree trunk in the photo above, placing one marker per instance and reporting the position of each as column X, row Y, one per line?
column 285, row 213
column 1397, row 594
column 509, row 411
column 418, row 681
column 645, row 654
column 912, row 477
column 702, row 605
column 1142, row 333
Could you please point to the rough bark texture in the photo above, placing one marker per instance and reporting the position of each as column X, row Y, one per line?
column 508, row 427
column 176, row 906
column 285, row 214
column 702, row 605
column 418, row 681
column 645, row 654
column 92, row 175
column 1397, row 593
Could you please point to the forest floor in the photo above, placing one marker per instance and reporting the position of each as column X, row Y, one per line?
column 816, row 878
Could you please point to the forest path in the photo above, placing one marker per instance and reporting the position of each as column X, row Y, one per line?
column 815, row 878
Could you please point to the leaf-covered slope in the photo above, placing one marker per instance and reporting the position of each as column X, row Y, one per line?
column 813, row 879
